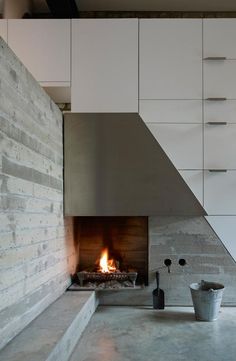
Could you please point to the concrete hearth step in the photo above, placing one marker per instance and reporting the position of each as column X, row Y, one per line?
column 54, row 334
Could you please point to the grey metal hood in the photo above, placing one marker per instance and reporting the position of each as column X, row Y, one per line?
column 115, row 167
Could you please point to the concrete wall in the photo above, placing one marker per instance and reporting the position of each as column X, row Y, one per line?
column 36, row 247
column 194, row 240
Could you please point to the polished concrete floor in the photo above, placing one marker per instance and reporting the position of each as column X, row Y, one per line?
column 143, row 334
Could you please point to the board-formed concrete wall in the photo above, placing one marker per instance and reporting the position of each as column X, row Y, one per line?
column 175, row 238
column 36, row 243
column 192, row 239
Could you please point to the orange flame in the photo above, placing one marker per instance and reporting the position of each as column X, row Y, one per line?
column 106, row 265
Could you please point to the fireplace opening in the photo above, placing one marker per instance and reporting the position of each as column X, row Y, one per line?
column 113, row 251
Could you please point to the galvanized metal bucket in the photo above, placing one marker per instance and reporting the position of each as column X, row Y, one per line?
column 207, row 297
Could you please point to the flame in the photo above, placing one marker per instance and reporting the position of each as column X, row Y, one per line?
column 106, row 265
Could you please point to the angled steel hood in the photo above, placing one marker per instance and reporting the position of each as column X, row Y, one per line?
column 115, row 167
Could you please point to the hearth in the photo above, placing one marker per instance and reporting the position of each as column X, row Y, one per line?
column 113, row 252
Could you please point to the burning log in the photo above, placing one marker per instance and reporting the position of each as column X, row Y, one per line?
column 108, row 271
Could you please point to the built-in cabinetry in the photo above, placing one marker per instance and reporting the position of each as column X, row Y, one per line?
column 220, row 192
column 219, row 92
column 104, row 60
column 181, row 142
column 194, row 178
column 219, row 74
column 171, row 92
column 44, row 48
column 194, row 122
column 220, row 79
column 104, row 65
column 220, row 145
column 219, row 38
column 220, row 111
column 179, row 73
column 3, row 29
column 170, row 59
column 171, row 111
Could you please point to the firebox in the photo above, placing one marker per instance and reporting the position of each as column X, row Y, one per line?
column 112, row 249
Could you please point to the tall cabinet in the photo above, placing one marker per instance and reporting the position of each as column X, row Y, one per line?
column 219, row 54
column 219, row 59
column 170, row 91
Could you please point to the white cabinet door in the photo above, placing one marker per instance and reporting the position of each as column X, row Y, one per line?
column 171, row 111
column 3, row 29
column 194, row 179
column 170, row 59
column 43, row 46
column 220, row 193
column 225, row 228
column 181, row 142
column 220, row 79
column 220, row 111
column 219, row 38
column 220, row 146
column 104, row 65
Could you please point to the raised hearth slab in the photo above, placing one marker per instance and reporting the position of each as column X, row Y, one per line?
column 54, row 334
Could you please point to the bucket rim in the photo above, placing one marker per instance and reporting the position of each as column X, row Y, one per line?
column 196, row 287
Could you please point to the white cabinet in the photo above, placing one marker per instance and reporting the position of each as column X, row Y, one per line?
column 225, row 228
column 219, row 38
column 43, row 46
column 220, row 192
column 170, row 58
column 220, row 146
column 3, row 29
column 104, row 65
column 220, row 79
column 171, row 111
column 194, row 179
column 220, row 111
column 219, row 52
column 181, row 142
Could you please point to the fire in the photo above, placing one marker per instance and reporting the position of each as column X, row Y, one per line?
column 106, row 265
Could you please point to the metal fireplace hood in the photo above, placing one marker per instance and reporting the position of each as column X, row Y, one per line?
column 115, row 167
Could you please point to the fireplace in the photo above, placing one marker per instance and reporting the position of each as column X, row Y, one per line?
column 125, row 239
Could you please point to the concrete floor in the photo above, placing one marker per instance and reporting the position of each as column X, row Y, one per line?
column 142, row 334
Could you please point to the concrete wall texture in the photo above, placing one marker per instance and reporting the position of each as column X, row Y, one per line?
column 190, row 238
column 36, row 242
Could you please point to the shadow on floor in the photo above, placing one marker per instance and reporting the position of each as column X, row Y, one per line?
column 169, row 316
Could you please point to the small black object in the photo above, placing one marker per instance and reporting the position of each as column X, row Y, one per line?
column 158, row 296
column 182, row 262
column 168, row 263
